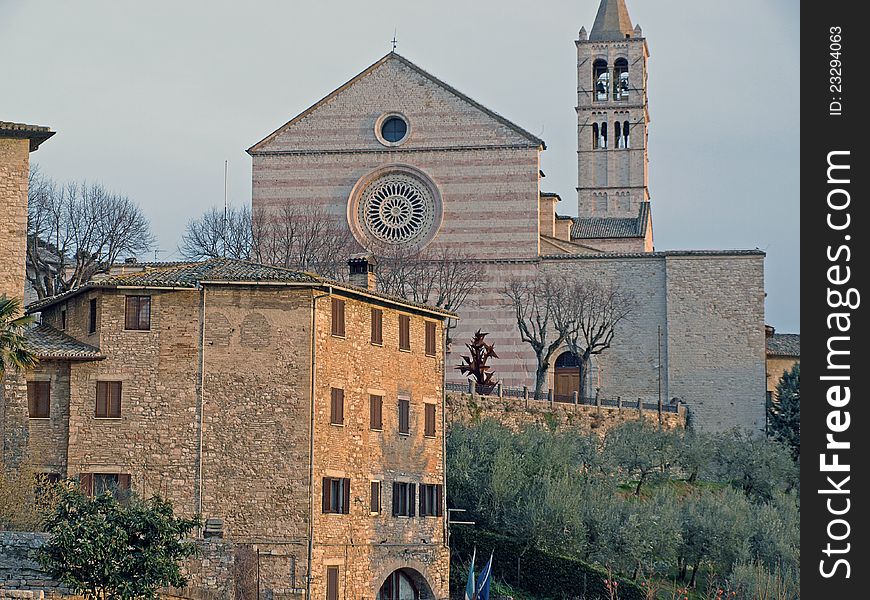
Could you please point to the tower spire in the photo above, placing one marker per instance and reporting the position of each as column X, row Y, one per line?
column 612, row 22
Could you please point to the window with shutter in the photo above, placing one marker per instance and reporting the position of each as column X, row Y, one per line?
column 404, row 498
column 376, row 421
column 108, row 405
column 39, row 399
column 336, row 413
column 430, row 500
column 430, row 338
column 337, row 317
column 404, row 416
column 375, row 503
column 63, row 319
column 86, row 483
column 137, row 313
column 377, row 326
column 336, row 495
column 404, row 332
column 429, row 429
column 332, row 583
column 92, row 316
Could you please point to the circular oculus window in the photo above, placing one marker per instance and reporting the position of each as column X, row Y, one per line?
column 392, row 129
column 397, row 208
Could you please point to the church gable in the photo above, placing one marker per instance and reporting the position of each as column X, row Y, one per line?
column 437, row 115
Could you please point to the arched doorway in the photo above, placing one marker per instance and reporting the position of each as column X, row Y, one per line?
column 405, row 584
column 567, row 375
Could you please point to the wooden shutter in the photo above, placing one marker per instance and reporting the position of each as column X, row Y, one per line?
column 376, row 412
column 429, row 430
column 430, row 338
column 102, row 407
column 345, row 495
column 326, row 489
column 38, row 399
column 131, row 313
column 31, row 398
column 376, row 497
column 395, row 499
column 92, row 316
column 331, row 583
column 404, row 332
column 115, row 399
column 404, row 416
column 144, row 321
column 412, row 498
column 124, row 481
column 377, row 326
column 336, row 412
column 439, row 500
column 338, row 317
column 86, row 483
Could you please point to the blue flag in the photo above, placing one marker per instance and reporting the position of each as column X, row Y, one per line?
column 470, row 588
column 483, row 582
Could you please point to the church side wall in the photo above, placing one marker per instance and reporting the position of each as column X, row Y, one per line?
column 716, row 341
column 493, row 189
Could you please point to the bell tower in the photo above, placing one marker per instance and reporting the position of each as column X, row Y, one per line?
column 612, row 116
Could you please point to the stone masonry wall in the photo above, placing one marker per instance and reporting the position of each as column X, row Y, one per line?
column 517, row 413
column 369, row 547
column 14, row 170
column 19, row 569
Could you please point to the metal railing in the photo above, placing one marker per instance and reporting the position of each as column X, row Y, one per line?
column 526, row 393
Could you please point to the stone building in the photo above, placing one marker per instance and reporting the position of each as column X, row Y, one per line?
column 783, row 353
column 298, row 416
column 406, row 161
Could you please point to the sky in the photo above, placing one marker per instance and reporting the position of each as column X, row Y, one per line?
column 150, row 98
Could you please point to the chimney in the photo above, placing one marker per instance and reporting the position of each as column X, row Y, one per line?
column 362, row 271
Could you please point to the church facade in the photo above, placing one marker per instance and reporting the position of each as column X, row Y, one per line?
column 405, row 160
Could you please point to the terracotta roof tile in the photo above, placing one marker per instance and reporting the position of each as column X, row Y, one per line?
column 47, row 342
column 784, row 344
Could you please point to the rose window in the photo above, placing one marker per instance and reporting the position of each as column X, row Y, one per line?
column 397, row 209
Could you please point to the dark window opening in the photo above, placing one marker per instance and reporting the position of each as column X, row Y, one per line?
column 617, row 133
column 337, row 317
column 602, row 142
column 404, row 499
column 429, row 429
column 394, row 129
column 620, row 79
column 332, row 583
column 600, row 79
column 404, row 332
column 336, row 407
column 430, row 500
column 625, row 138
column 377, row 326
column 108, row 400
column 404, row 416
column 63, row 319
column 92, row 316
column 137, row 313
column 376, row 417
column 336, row 495
column 39, row 399
column 595, row 136
column 430, row 339
column 375, row 498
column 95, row 484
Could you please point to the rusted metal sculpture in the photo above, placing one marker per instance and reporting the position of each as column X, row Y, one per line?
column 475, row 364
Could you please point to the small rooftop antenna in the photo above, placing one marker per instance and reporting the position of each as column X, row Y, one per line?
column 394, row 41
column 226, row 210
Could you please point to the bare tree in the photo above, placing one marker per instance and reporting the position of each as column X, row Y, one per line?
column 306, row 238
column 534, row 306
column 78, row 230
column 587, row 314
column 439, row 277
column 218, row 233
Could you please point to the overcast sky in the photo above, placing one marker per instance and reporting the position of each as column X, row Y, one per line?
column 151, row 97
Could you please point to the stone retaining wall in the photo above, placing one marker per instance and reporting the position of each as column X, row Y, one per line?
column 517, row 412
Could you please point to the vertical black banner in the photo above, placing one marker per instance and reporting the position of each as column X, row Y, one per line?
column 835, row 421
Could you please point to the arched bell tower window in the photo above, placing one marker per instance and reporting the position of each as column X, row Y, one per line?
column 625, row 138
column 620, row 79
column 602, row 137
column 617, row 134
column 595, row 135
column 600, row 79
